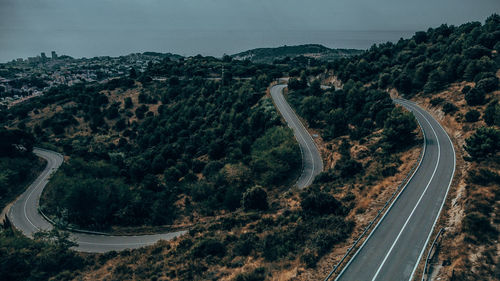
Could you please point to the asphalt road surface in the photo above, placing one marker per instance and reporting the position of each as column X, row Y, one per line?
column 312, row 164
column 395, row 246
column 25, row 216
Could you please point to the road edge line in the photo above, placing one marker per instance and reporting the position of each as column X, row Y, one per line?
column 419, row 199
column 393, row 199
column 445, row 196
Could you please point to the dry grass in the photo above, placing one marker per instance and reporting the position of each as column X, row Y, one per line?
column 368, row 200
column 464, row 256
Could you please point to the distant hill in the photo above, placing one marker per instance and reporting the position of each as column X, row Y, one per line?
column 163, row 55
column 317, row 51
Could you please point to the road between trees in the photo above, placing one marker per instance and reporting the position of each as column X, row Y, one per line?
column 24, row 216
column 312, row 164
column 394, row 248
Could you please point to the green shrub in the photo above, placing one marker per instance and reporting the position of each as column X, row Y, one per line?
column 41, row 258
column 274, row 156
column 310, row 258
column 140, row 111
column 15, row 174
column 325, row 232
column 399, row 129
column 278, row 245
column 449, row 108
column 348, row 167
column 492, row 114
column 245, row 244
column 208, row 247
column 297, row 84
column 475, row 97
column 472, row 115
column 488, row 84
column 11, row 140
column 484, row 177
column 436, row 101
column 478, row 225
column 128, row 102
column 91, row 194
column 315, row 202
column 255, row 199
column 483, row 143
column 325, row 177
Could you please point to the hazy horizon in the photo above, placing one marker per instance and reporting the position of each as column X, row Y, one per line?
column 353, row 40
column 215, row 27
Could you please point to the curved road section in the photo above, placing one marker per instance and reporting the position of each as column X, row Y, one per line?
column 312, row 163
column 395, row 246
column 25, row 216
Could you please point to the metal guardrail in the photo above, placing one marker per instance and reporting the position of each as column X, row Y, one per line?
column 429, row 257
column 68, row 227
column 47, row 218
column 380, row 212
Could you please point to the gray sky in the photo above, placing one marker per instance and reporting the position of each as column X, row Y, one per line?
column 213, row 27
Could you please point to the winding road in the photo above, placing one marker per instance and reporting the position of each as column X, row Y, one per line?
column 24, row 216
column 394, row 248
column 312, row 164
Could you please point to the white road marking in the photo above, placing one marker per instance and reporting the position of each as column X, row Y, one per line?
column 390, row 206
column 42, row 180
column 29, row 196
column 445, row 196
column 418, row 202
column 280, row 99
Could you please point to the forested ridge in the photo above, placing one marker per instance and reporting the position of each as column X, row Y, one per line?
column 430, row 60
column 454, row 71
column 285, row 53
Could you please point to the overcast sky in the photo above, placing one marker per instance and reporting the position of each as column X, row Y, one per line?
column 213, row 27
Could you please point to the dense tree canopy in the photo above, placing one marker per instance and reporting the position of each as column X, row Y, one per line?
column 186, row 135
column 430, row 60
column 483, row 143
column 46, row 256
column 399, row 128
column 355, row 111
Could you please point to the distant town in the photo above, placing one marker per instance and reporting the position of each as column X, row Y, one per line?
column 22, row 79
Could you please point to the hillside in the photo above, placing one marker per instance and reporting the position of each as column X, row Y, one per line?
column 187, row 150
column 316, row 51
column 468, row 248
column 180, row 145
column 453, row 71
column 190, row 148
column 208, row 154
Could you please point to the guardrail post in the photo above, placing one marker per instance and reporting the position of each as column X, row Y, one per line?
column 430, row 256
